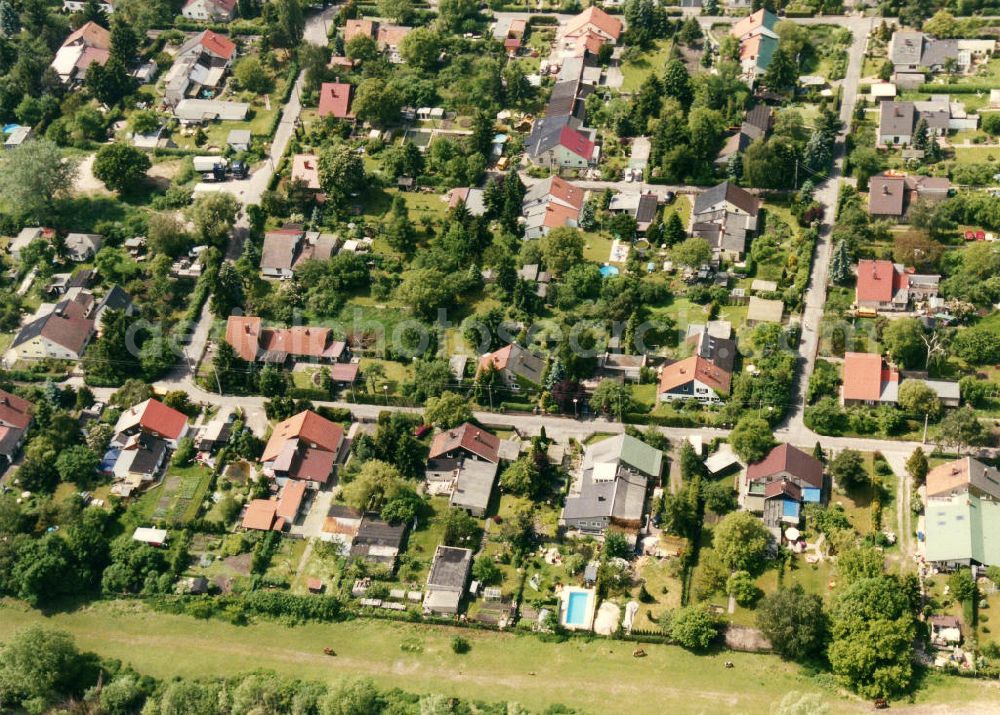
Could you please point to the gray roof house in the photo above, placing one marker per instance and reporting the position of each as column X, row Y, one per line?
column 378, row 541
column 612, row 485
column 446, row 580
column 896, row 121
column 82, row 246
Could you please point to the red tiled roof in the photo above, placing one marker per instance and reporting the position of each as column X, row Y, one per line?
column 352, row 28
column 469, row 437
column 335, row 100
column 566, row 192
column 595, row 17
column 307, row 426
column 155, row 417
column 315, row 465
column 243, row 333
column 344, row 372
column 878, row 281
column 863, row 376
column 786, row 458
column 291, row 500
column 391, row 35
column 576, row 142
column 694, row 367
column 217, row 44
column 14, row 411
column 783, row 487
column 91, row 35
column 300, row 341
column 557, row 215
column 261, row 514
column 747, row 24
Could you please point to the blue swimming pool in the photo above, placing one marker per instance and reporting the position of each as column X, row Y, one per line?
column 576, row 608
column 608, row 271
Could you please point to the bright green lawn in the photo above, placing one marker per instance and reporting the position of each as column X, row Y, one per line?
column 637, row 70
column 977, row 154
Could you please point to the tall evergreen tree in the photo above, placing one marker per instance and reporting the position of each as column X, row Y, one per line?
column 10, row 23
column 840, row 263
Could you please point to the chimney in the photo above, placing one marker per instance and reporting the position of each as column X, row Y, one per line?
column 885, row 189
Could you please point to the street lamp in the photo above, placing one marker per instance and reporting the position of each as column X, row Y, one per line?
column 575, row 400
column 385, row 391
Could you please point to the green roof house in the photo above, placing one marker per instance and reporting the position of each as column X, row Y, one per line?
column 963, row 530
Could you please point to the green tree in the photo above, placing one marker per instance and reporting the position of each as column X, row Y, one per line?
column 486, row 571
column 673, row 230
column 961, row 428
column 421, row 48
column 109, row 83
column 375, row 484
column 521, row 478
column 917, row 398
column 35, row 175
column 460, row 529
column 616, row 545
column 962, row 586
column 228, row 294
column 782, row 72
column 40, row 667
column 860, row 562
column 741, row 587
column 341, row 174
column 794, row 622
column 447, row 411
column 10, row 23
column 376, row 102
column 677, row 82
column 692, row 252
column 214, row 215
column 562, row 249
column 452, row 14
column 252, row 75
column 840, row 264
column 121, row 167
column 361, row 48
column 124, row 43
column 78, row 464
column 848, row 470
column 694, row 627
column 612, row 398
column 916, row 466
column 399, row 11
column 903, row 341
column 752, row 438
column 741, row 541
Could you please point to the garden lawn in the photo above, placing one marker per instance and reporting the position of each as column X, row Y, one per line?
column 594, row 675
column 635, row 71
column 977, row 154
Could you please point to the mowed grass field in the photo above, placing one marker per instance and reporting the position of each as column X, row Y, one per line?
column 599, row 676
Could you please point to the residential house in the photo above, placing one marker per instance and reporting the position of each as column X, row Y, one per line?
column 886, row 196
column 341, row 525
column 150, row 536
column 446, row 580
column 963, row 476
column 896, row 122
column 761, row 22
column 15, row 420
column 17, row 137
column 305, row 168
column 83, row 47
column 756, row 125
column 551, row 203
column 515, row 365
column 254, row 343
column 612, row 485
column 280, row 251
column 556, row 145
column 199, row 66
column 762, row 310
column 888, row 287
column 868, row 380
column 216, row 433
column 196, row 112
column 933, row 189
column 115, row 299
column 106, row 6
column 378, row 541
column 387, row 37
column 640, row 206
column 594, row 22
column 262, row 515
column 962, row 530
column 210, row 10
column 949, row 392
column 463, row 462
column 777, row 487
column 154, row 419
column 26, row 237
column 335, row 100
column 724, row 215
column 758, row 42
column 304, row 447
column 470, row 197
column 134, row 461
column 83, row 246
column 61, row 332
column 290, row 501
column 467, row 442
column 914, row 53
column 695, row 378
column 239, row 139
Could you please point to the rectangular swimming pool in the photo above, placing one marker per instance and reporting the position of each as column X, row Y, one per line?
column 576, row 608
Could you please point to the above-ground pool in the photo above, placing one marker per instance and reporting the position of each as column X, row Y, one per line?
column 609, row 271
column 577, row 612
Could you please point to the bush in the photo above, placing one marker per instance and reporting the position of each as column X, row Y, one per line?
column 460, row 645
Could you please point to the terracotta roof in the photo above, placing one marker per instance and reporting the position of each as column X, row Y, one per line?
column 864, row 375
column 576, row 142
column 314, row 465
column 217, row 44
column 91, row 35
column 694, row 367
column 299, row 341
column 344, row 372
column 14, row 411
column 961, row 474
column 469, row 437
column 305, row 167
column 595, row 17
column 307, row 426
column 783, row 487
column 352, row 28
column 261, row 514
column 243, row 333
column 557, row 215
column 878, row 281
column 391, row 35
column 786, row 458
column 335, row 100
column 566, row 192
column 752, row 23
column 155, row 417
column 291, row 500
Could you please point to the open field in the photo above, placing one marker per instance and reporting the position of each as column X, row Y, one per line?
column 499, row 666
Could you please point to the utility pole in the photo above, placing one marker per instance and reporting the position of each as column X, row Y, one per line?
column 926, row 419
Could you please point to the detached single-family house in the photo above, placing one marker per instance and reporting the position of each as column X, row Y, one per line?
column 15, row 419
column 724, row 216
column 83, row 47
column 551, row 203
column 446, row 580
column 210, row 10
column 467, row 442
column 913, row 52
column 341, row 525
column 305, row 168
column 555, row 144
column 515, row 364
column 966, row 475
column 83, row 246
column 199, row 65
column 280, row 251
column 963, row 530
column 776, row 487
column 153, row 418
column 694, row 378
column 594, row 22
column 255, row 343
column 612, row 485
column 335, row 100
column 27, row 236
column 262, row 515
column 868, row 380
column 304, row 447
column 115, row 299
column 886, row 196
column 134, row 461
column 641, row 207
column 464, row 461
column 472, row 198
column 896, row 121
column 378, row 541
column 884, row 286
column 61, row 332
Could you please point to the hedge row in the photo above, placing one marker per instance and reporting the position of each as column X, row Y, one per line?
column 956, row 88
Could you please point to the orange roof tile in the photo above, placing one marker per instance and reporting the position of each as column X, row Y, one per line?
column 595, row 18
column 307, row 426
column 243, row 334
column 864, row 375
column 260, row 515
column 335, row 100
column 694, row 367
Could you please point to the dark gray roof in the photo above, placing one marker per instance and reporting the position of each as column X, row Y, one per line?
column 148, row 454
column 720, row 351
column 450, row 568
column 545, row 134
column 377, row 539
column 758, row 118
column 115, row 299
column 81, row 279
column 726, row 191
column 896, row 118
column 646, row 211
column 937, row 51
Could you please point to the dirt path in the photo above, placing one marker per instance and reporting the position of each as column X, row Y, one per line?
column 86, row 182
column 904, row 511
